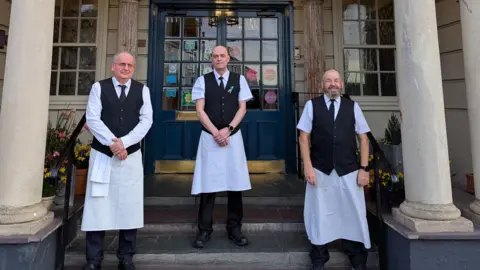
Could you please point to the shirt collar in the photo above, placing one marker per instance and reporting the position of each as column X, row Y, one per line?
column 116, row 83
column 225, row 75
column 327, row 99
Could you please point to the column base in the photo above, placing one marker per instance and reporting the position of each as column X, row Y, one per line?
column 16, row 215
column 27, row 228
column 475, row 206
column 434, row 212
column 459, row 224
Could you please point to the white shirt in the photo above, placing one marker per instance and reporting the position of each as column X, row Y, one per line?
column 305, row 122
column 198, row 90
column 101, row 131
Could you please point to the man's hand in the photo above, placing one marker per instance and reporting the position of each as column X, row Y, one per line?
column 222, row 137
column 309, row 175
column 117, row 146
column 122, row 155
column 363, row 177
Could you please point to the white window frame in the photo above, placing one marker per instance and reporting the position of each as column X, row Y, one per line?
column 370, row 103
column 80, row 102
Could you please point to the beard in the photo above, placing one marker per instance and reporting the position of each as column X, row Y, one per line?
column 333, row 91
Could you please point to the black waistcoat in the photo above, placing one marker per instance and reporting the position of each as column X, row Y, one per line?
column 221, row 105
column 333, row 142
column 119, row 117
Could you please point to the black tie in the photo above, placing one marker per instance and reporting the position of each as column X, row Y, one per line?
column 221, row 83
column 123, row 96
column 331, row 109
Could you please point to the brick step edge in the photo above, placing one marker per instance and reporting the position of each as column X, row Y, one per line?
column 241, row 259
column 192, row 227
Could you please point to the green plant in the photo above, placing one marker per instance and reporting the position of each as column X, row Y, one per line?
column 82, row 155
column 393, row 134
column 48, row 189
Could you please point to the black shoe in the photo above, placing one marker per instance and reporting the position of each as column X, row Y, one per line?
column 318, row 267
column 126, row 266
column 237, row 237
column 92, row 266
column 201, row 239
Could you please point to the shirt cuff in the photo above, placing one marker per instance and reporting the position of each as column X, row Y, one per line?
column 126, row 141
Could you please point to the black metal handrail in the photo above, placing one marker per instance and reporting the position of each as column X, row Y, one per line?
column 66, row 157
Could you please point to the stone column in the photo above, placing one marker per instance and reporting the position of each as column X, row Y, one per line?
column 314, row 51
column 470, row 13
column 127, row 26
column 24, row 116
column 428, row 205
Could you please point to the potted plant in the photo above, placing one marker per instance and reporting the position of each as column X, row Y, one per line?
column 391, row 144
column 82, row 155
column 48, row 190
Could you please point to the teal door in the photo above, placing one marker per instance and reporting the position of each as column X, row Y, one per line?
column 182, row 50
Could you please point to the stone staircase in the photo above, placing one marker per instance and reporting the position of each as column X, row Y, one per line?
column 273, row 223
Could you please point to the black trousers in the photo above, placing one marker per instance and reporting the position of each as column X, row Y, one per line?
column 126, row 246
column 355, row 251
column 234, row 212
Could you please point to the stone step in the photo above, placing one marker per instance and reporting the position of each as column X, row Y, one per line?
column 256, row 218
column 175, row 267
column 292, row 200
column 288, row 250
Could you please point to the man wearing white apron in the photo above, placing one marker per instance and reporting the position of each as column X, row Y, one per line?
column 221, row 164
column 119, row 115
column 334, row 199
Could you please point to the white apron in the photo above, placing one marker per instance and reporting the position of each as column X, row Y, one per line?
column 220, row 168
column 117, row 205
column 335, row 209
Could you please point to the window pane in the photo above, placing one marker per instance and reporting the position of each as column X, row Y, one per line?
column 389, row 84
column 252, row 28
column 254, row 103
column 235, row 50
column 170, row 74
column 88, row 57
column 209, row 27
column 191, row 27
column 67, row 83
column 186, row 102
column 234, row 27
column 387, row 59
column 351, row 33
column 88, row 31
column 352, row 11
column 58, row 3
column 53, row 84
column 189, row 74
column 205, row 68
column 352, row 83
column 385, row 10
column 170, row 98
column 69, row 31
column 55, row 57
column 172, row 50
column 369, row 32
column 369, row 59
column 269, row 28
column 370, row 85
column 71, row 8
column 56, row 30
column 269, row 51
column 252, row 74
column 190, row 50
column 85, row 82
column 367, row 9
column 172, row 27
column 351, row 59
column 252, row 50
column 237, row 68
column 89, row 8
column 269, row 75
column 69, row 57
column 207, row 49
column 387, row 33
column 270, row 99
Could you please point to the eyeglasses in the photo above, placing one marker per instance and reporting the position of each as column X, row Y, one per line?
column 124, row 65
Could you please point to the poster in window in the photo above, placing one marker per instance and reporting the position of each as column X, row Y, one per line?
column 269, row 74
column 187, row 98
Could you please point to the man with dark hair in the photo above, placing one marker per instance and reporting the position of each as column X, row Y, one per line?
column 221, row 164
column 334, row 199
column 119, row 115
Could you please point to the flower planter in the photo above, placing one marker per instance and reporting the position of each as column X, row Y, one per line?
column 81, row 181
column 470, row 183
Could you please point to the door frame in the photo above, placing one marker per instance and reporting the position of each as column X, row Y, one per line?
column 286, row 56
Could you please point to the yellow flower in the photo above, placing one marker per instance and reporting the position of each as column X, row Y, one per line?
column 400, row 174
column 46, row 175
column 45, row 170
column 64, row 179
column 62, row 170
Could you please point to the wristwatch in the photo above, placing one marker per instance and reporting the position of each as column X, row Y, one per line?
column 230, row 128
column 365, row 168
